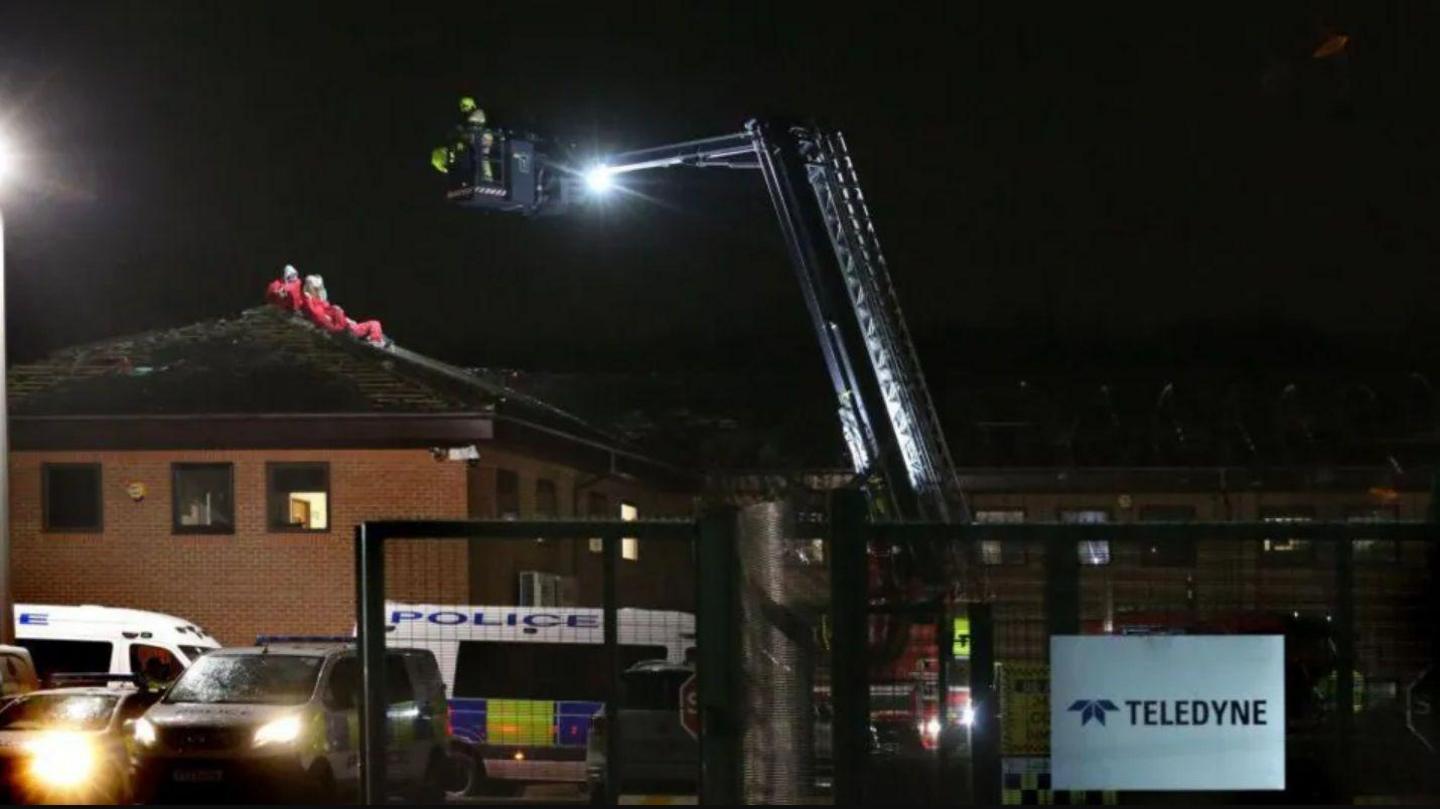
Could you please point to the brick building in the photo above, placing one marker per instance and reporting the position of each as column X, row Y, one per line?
column 217, row 471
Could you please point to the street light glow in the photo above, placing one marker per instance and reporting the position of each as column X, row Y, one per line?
column 600, row 179
column 7, row 158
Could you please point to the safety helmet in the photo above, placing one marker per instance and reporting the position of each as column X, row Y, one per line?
column 291, row 273
column 467, row 104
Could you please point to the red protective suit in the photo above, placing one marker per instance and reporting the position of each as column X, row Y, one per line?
column 285, row 294
column 369, row 330
column 292, row 297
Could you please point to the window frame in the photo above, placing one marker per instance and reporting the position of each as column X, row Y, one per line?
column 176, row 468
column 1353, row 516
column 1002, row 544
column 1280, row 515
column 99, row 526
column 629, row 543
column 500, row 514
column 1080, row 544
column 271, row 467
column 592, row 498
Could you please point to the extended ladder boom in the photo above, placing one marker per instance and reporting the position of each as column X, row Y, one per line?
column 888, row 419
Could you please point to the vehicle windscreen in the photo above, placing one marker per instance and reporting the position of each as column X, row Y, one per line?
column 194, row 652
column 654, row 690
column 58, row 712
column 258, row 679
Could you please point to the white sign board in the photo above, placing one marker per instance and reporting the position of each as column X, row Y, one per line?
column 1188, row 712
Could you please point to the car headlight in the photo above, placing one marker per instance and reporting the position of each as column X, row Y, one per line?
column 284, row 730
column 144, row 732
column 61, row 759
column 932, row 727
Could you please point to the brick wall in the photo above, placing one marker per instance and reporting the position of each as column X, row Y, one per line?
column 236, row 585
column 259, row 582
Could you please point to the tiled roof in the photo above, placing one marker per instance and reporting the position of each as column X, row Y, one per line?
column 264, row 362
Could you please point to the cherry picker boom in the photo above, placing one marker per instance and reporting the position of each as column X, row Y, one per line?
column 888, row 420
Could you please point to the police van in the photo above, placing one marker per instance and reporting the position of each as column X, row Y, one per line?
column 525, row 683
column 90, row 639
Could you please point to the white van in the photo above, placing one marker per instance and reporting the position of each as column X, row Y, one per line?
column 89, row 638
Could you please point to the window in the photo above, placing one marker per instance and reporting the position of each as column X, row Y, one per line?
column 1092, row 552
column 507, row 494
column 194, row 652
column 1001, row 551
column 155, row 662
column 342, row 692
column 629, row 546
column 202, row 498
column 1370, row 550
column 71, row 496
column 1287, row 550
column 397, row 681
column 547, row 499
column 650, row 690
column 546, row 671
column 597, row 505
column 298, row 496
column 56, row 656
column 1170, row 551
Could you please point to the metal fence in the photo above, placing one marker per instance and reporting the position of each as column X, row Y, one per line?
column 1354, row 601
column 536, row 668
column 844, row 660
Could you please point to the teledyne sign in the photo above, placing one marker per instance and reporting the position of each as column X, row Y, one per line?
column 1188, row 712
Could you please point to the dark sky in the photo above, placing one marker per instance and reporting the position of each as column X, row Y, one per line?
column 1049, row 172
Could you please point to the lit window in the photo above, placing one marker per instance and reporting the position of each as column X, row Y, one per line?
column 1093, row 553
column 1001, row 551
column 71, row 496
column 1287, row 550
column 298, row 496
column 202, row 498
column 629, row 546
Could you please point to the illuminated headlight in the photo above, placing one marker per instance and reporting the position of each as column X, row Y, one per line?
column 61, row 760
column 967, row 716
column 932, row 727
column 278, row 731
column 599, row 179
column 144, row 732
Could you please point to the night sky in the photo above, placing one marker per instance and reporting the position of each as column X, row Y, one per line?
column 1042, row 176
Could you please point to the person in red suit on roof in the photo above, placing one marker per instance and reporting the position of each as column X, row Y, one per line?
column 311, row 300
column 285, row 293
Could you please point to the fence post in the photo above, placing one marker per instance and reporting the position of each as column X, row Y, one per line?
column 613, row 770
column 850, row 675
column 1345, row 659
column 370, row 604
column 1062, row 586
column 717, row 658
column 985, row 730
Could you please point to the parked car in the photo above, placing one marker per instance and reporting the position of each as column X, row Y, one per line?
column 281, row 719
column 17, row 673
column 68, row 744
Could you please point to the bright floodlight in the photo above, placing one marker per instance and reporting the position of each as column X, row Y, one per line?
column 7, row 159
column 599, row 179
